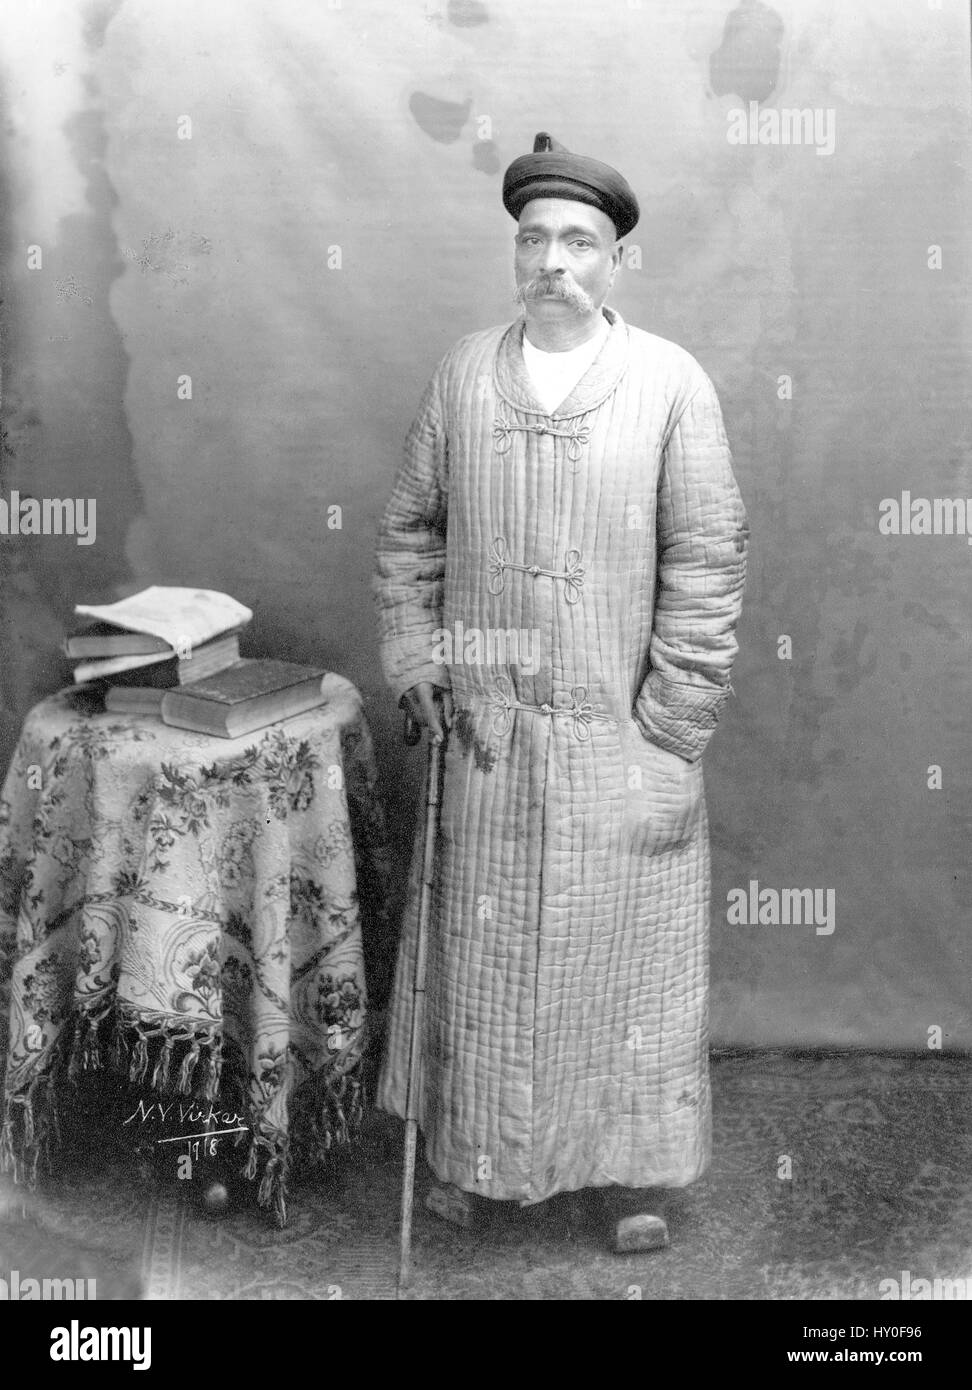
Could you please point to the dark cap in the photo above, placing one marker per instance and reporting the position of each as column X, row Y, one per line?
column 552, row 171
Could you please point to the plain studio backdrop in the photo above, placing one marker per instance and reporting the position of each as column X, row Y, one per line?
column 297, row 205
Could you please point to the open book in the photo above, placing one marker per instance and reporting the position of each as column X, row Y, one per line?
column 183, row 618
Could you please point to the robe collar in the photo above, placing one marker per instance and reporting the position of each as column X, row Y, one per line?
column 515, row 386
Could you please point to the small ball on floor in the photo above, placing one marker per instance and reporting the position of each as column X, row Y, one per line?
column 215, row 1199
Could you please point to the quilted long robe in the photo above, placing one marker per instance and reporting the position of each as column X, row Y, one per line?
column 565, row 1039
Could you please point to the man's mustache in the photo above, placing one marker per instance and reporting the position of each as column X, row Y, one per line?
column 560, row 286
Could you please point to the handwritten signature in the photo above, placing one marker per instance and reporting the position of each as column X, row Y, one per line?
column 191, row 1114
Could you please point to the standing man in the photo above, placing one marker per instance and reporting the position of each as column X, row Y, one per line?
column 560, row 572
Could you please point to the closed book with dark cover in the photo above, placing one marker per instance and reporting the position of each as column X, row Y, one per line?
column 173, row 670
column 134, row 699
column 245, row 696
column 105, row 639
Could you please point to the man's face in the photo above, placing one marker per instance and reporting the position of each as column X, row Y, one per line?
column 567, row 255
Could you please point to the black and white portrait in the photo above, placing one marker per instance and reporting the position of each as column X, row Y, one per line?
column 485, row 528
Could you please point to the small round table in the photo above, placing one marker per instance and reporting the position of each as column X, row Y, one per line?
column 189, row 909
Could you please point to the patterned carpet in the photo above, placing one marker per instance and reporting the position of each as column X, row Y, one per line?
column 880, row 1151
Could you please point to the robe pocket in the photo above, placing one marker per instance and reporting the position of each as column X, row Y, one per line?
column 663, row 794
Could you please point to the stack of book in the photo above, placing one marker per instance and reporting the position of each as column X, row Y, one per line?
column 175, row 653
column 156, row 639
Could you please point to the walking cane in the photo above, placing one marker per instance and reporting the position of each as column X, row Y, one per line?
column 433, row 786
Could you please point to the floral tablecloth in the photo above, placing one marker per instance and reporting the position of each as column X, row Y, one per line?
column 190, row 909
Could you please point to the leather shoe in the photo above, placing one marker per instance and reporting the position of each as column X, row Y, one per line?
column 637, row 1220
column 464, row 1209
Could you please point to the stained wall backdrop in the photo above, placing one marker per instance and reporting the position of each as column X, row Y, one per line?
column 297, row 205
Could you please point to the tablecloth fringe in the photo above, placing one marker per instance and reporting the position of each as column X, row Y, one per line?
column 131, row 1034
column 325, row 1109
column 30, row 1122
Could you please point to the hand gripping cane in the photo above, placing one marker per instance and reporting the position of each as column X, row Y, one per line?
column 433, row 788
